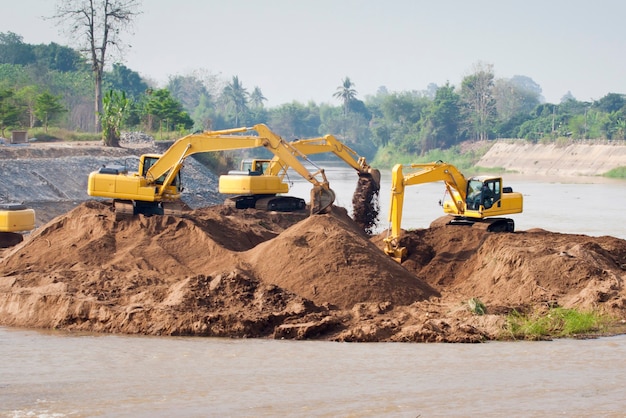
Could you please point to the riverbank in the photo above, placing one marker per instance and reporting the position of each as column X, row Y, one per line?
column 572, row 160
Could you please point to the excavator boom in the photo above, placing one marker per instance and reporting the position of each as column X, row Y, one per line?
column 329, row 143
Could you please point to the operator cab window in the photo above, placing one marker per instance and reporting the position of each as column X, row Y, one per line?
column 490, row 193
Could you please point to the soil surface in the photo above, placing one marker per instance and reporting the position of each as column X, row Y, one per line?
column 218, row 271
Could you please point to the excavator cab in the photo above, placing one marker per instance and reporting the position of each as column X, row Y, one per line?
column 255, row 167
column 483, row 192
column 148, row 160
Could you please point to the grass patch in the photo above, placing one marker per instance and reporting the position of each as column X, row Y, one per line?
column 388, row 156
column 476, row 306
column 58, row 134
column 556, row 322
column 616, row 173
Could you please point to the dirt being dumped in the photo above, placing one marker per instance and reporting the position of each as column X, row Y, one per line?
column 365, row 206
column 219, row 271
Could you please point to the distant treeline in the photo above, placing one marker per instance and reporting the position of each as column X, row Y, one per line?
column 52, row 85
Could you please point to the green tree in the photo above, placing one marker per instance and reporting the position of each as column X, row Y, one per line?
column 441, row 120
column 115, row 107
column 381, row 134
column 612, row 102
column 189, row 90
column 352, row 129
column 346, row 93
column 98, row 24
column 167, row 111
column 28, row 97
column 236, row 97
column 401, row 114
column 295, row 120
column 620, row 129
column 48, row 108
column 59, row 58
column 14, row 76
column 9, row 111
column 514, row 96
column 76, row 90
column 14, row 51
column 257, row 98
column 205, row 114
column 124, row 79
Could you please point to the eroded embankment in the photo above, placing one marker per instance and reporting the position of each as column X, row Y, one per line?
column 554, row 159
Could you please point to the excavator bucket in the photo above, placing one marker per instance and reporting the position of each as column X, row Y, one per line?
column 372, row 174
column 322, row 199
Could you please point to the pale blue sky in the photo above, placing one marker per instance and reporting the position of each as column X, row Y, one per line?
column 302, row 49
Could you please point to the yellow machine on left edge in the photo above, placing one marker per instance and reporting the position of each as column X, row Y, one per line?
column 15, row 218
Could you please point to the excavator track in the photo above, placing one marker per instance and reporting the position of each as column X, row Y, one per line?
column 10, row 239
column 174, row 208
column 124, row 209
column 281, row 204
column 241, row 202
column 488, row 225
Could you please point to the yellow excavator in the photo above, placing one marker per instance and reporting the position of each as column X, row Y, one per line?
column 156, row 188
column 259, row 181
column 15, row 218
column 476, row 201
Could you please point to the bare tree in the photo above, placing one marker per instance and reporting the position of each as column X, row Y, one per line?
column 96, row 25
column 477, row 96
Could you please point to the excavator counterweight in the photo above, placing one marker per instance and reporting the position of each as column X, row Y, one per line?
column 15, row 218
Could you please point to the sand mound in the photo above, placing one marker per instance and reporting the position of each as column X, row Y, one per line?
column 329, row 260
column 521, row 270
column 219, row 271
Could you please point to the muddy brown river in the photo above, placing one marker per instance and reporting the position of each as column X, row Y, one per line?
column 53, row 374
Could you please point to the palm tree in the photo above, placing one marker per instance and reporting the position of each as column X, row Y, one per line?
column 346, row 93
column 237, row 96
column 257, row 98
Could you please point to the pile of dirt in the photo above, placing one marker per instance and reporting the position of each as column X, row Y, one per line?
column 329, row 260
column 521, row 270
column 218, row 271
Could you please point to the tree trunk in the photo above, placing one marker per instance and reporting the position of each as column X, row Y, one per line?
column 98, row 94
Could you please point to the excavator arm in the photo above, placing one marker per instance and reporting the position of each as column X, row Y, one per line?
column 171, row 162
column 423, row 173
column 322, row 197
column 330, row 143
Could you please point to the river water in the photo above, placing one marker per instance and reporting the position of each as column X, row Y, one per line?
column 56, row 374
